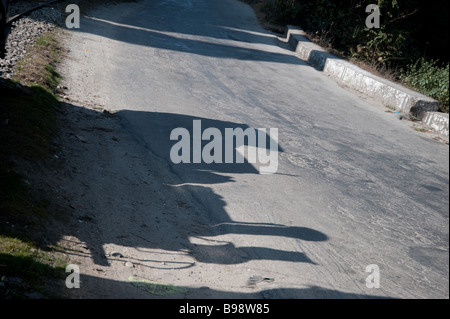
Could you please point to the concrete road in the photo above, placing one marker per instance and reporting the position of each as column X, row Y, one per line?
column 355, row 186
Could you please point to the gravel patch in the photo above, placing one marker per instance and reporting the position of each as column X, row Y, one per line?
column 24, row 32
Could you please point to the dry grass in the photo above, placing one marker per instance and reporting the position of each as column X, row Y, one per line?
column 39, row 65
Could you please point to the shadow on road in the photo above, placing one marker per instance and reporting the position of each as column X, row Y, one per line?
column 131, row 213
column 116, row 187
column 152, row 290
column 233, row 34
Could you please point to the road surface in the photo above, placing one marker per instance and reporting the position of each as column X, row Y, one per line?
column 354, row 186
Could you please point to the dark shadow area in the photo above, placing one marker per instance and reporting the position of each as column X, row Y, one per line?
column 271, row 230
column 228, row 254
column 159, row 291
column 318, row 59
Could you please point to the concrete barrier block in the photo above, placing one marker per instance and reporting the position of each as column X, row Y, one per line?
column 439, row 122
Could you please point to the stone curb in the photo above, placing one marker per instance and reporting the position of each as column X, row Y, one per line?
column 390, row 94
column 437, row 121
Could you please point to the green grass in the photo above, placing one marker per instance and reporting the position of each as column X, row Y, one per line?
column 27, row 261
column 26, row 269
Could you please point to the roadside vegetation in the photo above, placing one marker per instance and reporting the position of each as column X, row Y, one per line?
column 411, row 46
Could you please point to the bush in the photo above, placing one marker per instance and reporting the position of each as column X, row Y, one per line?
column 282, row 11
column 428, row 78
